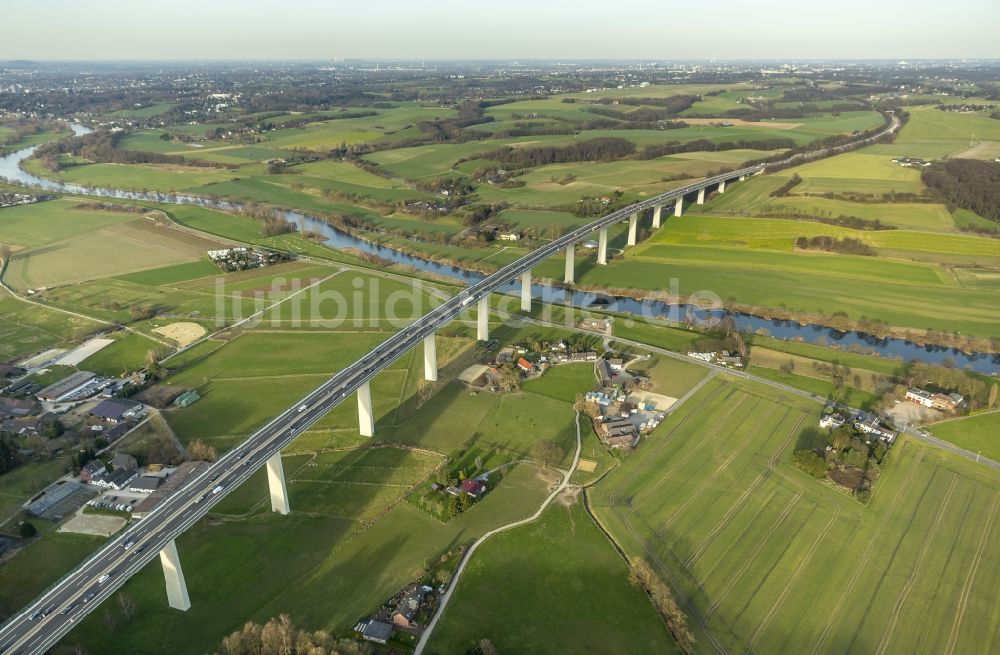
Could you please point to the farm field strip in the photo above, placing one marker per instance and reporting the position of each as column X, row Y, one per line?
column 735, row 450
column 680, row 464
column 738, row 505
column 953, row 635
column 748, row 560
column 745, row 564
column 710, row 500
column 866, row 556
column 709, row 400
column 908, row 586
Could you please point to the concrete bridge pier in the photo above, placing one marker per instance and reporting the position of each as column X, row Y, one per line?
column 526, row 291
column 602, row 247
column 276, row 485
column 701, row 196
column 483, row 319
column 633, row 222
column 656, row 217
column 722, row 186
column 430, row 358
column 743, row 177
column 366, row 419
column 570, row 264
column 177, row 592
column 679, row 206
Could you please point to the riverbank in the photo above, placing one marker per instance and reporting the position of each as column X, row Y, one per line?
column 895, row 342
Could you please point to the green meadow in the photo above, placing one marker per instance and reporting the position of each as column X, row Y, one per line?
column 561, row 604
column 979, row 433
column 765, row 558
column 740, row 277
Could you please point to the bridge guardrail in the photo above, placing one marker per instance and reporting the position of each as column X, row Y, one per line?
column 384, row 348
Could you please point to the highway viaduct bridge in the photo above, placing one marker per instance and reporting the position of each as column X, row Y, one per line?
column 42, row 623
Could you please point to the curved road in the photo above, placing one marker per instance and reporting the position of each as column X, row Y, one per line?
column 43, row 622
column 446, row 598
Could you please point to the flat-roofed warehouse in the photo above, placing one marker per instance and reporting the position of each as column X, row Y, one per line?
column 65, row 386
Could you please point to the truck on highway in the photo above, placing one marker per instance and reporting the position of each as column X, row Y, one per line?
column 467, row 301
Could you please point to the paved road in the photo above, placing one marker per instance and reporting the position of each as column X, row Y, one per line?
column 453, row 584
column 42, row 623
column 913, row 432
column 51, row 308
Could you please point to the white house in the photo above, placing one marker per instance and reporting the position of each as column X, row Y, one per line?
column 920, row 397
column 831, row 421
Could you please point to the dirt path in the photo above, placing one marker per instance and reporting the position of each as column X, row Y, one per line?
column 3, row 283
column 425, row 637
column 255, row 315
column 918, row 434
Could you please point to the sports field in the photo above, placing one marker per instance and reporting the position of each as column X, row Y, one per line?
column 770, row 560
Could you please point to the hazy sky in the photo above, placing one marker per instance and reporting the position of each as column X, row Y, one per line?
column 502, row 29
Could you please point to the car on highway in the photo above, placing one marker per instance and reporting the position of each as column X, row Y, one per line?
column 303, row 408
column 217, row 489
column 48, row 610
column 129, row 544
column 89, row 597
column 104, row 578
column 69, row 608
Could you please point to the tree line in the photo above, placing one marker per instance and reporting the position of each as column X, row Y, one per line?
column 600, row 149
column 642, row 575
column 847, row 245
column 704, row 145
column 279, row 636
column 102, row 147
column 23, row 129
column 967, row 183
column 783, row 190
column 10, row 456
column 671, row 105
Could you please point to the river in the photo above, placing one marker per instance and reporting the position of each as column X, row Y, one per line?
column 10, row 168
